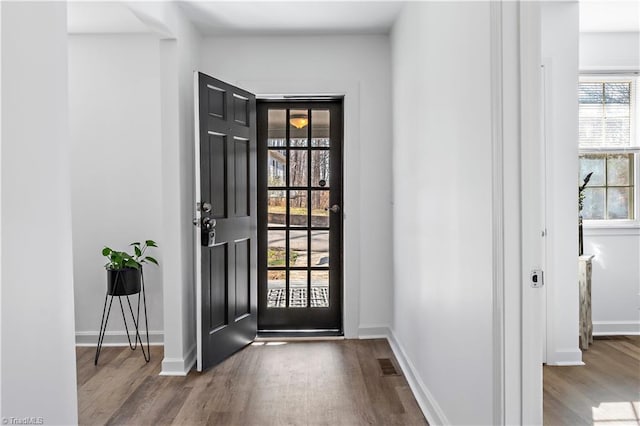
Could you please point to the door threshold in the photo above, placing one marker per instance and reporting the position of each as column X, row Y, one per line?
column 298, row 335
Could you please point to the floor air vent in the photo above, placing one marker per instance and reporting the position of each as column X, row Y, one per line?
column 387, row 368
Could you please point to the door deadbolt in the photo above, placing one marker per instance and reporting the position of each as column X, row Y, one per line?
column 205, row 207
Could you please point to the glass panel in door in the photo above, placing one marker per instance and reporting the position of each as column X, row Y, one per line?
column 302, row 282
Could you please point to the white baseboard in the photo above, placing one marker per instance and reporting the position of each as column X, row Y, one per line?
column 616, row 328
column 430, row 408
column 117, row 338
column 179, row 366
column 565, row 358
column 373, row 332
column 427, row 403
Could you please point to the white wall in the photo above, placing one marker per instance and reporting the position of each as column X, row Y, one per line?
column 114, row 115
column 616, row 266
column 615, row 286
column 147, row 86
column 358, row 66
column 188, row 62
column 560, row 59
column 442, row 206
column 609, row 51
column 179, row 57
column 38, row 358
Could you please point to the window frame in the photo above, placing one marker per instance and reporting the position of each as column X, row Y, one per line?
column 633, row 148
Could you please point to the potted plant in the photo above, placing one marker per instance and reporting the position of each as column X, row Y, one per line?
column 124, row 270
column 580, row 206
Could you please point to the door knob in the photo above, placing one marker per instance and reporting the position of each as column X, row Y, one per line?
column 334, row 208
column 208, row 223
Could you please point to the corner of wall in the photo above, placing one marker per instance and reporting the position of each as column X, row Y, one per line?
column 565, row 357
column 178, row 60
column 374, row 332
column 427, row 403
column 179, row 366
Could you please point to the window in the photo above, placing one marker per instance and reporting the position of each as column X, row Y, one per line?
column 608, row 147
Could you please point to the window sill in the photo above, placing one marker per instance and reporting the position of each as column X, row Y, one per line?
column 611, row 227
column 611, row 224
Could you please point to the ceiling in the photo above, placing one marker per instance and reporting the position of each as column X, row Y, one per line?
column 287, row 17
column 309, row 17
column 246, row 17
column 102, row 17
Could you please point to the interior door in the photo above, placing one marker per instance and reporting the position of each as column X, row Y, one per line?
column 225, row 220
column 300, row 216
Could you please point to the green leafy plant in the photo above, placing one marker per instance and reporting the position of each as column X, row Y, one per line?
column 581, row 191
column 122, row 259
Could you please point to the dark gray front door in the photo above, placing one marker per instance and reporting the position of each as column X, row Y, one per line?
column 228, row 299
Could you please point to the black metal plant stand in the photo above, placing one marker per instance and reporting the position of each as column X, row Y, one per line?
column 136, row 318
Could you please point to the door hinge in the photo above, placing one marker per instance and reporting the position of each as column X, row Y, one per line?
column 537, row 278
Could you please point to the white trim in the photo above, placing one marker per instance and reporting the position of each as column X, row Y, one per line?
column 568, row 364
column 427, row 403
column 497, row 211
column 616, row 328
column 197, row 237
column 117, row 338
column 373, row 332
column 179, row 366
column 609, row 150
column 531, row 210
column 610, row 228
column 565, row 357
column 595, row 71
column 350, row 91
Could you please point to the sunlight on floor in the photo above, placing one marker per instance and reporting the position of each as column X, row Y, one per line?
column 617, row 413
column 268, row 343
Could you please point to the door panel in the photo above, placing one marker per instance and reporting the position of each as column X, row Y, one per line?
column 218, row 286
column 299, row 180
column 213, row 157
column 241, row 175
column 243, row 281
column 227, row 284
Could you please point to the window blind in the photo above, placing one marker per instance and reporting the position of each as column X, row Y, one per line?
column 605, row 114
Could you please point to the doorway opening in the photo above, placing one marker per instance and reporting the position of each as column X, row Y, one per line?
column 300, row 242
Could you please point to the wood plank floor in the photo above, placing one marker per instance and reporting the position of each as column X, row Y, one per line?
column 605, row 391
column 335, row 382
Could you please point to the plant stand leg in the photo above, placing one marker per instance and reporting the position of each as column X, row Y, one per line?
column 126, row 328
column 135, row 317
column 136, row 323
column 103, row 327
column 146, row 321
